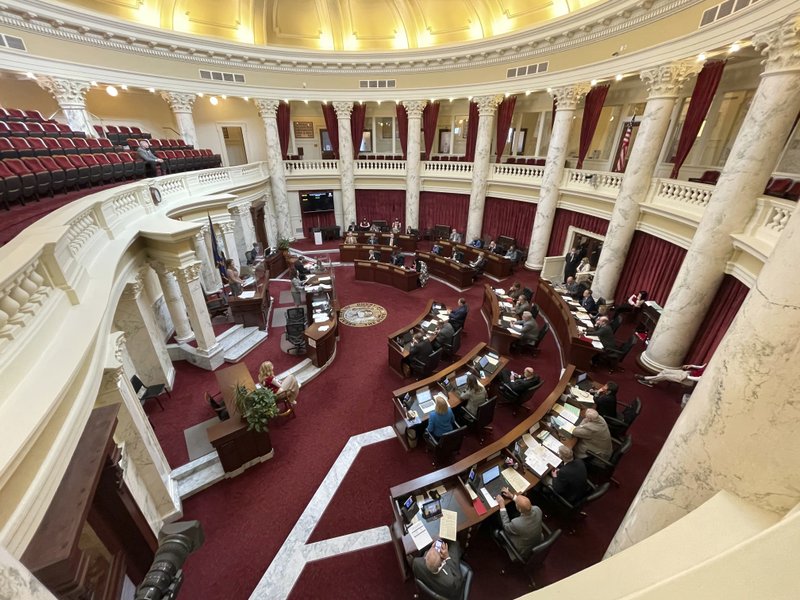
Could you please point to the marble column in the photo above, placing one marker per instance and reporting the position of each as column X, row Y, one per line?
column 146, row 470
column 211, row 283
column 346, row 162
column 175, row 303
column 663, row 84
column 414, row 110
column 244, row 231
column 228, row 229
column 270, row 222
column 738, row 432
column 189, row 281
column 487, row 107
column 752, row 159
column 71, row 97
column 145, row 344
column 268, row 109
column 567, row 99
column 181, row 106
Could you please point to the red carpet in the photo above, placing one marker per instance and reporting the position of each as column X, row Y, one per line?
column 246, row 519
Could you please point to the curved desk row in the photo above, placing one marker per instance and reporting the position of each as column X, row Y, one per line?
column 497, row 265
column 574, row 349
column 321, row 336
column 396, row 349
column 456, row 273
column 498, row 319
column 407, row 243
column 398, row 277
column 354, row 252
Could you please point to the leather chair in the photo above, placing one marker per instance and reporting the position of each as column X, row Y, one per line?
column 421, row 368
column 570, row 511
column 295, row 335
column 533, row 346
column 619, row 426
column 150, row 391
column 296, row 315
column 606, row 467
column 515, row 399
column 534, row 558
column 480, row 424
column 219, row 409
column 447, row 444
column 613, row 357
column 615, row 322
column 451, row 349
column 466, row 577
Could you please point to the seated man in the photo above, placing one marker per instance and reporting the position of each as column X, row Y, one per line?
column 374, row 255
column 352, row 226
column 444, row 335
column 351, row 238
column 604, row 333
column 455, row 237
column 492, row 247
column 479, row 263
column 685, row 373
column 515, row 290
column 524, row 531
column 605, row 399
column 527, row 328
column 570, row 480
column 398, row 259
column 522, row 305
column 440, row 569
column 512, row 254
column 458, row 256
column 364, row 225
column 520, row 384
column 588, row 303
column 476, row 243
column 592, row 435
column 151, row 161
column 373, row 239
column 375, row 228
column 437, row 249
column 421, row 349
column 459, row 314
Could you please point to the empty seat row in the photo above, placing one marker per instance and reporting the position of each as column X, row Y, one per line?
column 189, row 160
column 520, row 160
column 16, row 114
column 46, row 129
column 19, row 147
column 449, row 158
column 166, row 144
column 119, row 133
column 366, row 157
column 783, row 187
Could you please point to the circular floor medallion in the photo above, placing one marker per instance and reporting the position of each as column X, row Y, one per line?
column 362, row 314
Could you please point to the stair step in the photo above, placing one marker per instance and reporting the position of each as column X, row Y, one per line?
column 235, row 352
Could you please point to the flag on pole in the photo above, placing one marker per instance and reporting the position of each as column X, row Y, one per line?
column 219, row 258
column 622, row 157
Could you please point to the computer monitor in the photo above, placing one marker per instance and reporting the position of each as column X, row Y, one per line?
column 490, row 474
column 581, row 378
column 461, row 380
column 483, row 362
column 458, row 256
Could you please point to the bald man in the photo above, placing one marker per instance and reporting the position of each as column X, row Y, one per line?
column 440, row 569
column 524, row 531
column 592, row 435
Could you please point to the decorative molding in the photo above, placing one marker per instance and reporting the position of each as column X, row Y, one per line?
column 487, row 105
column 240, row 210
column 666, row 81
column 780, row 46
column 414, row 108
column 69, row 93
column 113, row 379
column 226, row 227
column 188, row 273
column 267, row 109
column 179, row 102
column 343, row 109
column 133, row 289
column 568, row 96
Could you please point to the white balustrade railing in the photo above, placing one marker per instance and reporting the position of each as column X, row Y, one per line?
column 680, row 194
column 598, row 182
column 433, row 168
column 527, row 174
column 769, row 220
column 388, row 167
column 311, row 167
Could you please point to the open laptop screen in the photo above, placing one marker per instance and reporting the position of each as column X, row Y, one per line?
column 461, row 380
column 491, row 474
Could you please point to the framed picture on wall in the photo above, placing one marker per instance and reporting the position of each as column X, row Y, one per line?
column 304, row 130
column 445, row 137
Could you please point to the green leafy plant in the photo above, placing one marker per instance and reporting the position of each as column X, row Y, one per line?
column 256, row 406
column 284, row 244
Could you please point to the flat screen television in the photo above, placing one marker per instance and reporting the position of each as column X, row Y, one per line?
column 316, row 201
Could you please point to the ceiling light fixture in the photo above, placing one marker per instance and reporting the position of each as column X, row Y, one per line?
column 213, row 100
column 618, row 77
column 224, row 97
column 593, row 82
column 200, row 94
column 30, row 75
column 152, row 90
column 92, row 83
column 527, row 92
column 246, row 98
column 701, row 57
column 124, row 87
column 735, row 47
column 111, row 91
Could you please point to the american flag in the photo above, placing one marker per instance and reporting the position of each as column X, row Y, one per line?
column 622, row 157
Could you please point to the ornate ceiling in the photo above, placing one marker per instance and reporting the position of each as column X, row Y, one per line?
column 347, row 25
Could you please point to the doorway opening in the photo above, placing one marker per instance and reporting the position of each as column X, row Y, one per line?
column 235, row 150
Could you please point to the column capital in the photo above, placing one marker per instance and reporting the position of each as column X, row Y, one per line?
column 666, row 81
column 67, row 92
column 179, row 102
column 239, row 209
column 200, row 236
column 133, row 289
column 159, row 267
column 188, row 273
column 414, row 108
column 227, row 227
column 343, row 109
column 267, row 108
column 112, row 381
column 568, row 96
column 780, row 46
column 487, row 105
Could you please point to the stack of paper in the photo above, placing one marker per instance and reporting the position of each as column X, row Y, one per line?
column 539, row 459
column 246, row 295
column 420, row 535
column 492, row 360
column 585, row 398
column 563, row 424
column 570, row 412
column 552, row 443
column 448, row 525
column 515, row 480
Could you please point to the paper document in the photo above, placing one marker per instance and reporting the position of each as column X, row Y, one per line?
column 515, row 480
column 537, row 458
column 594, row 338
column 489, row 500
column 564, row 410
column 563, row 424
column 507, row 318
column 248, row 281
column 448, row 525
column 528, row 439
column 246, row 295
column 597, row 345
column 420, row 535
column 324, row 327
column 552, row 443
column 500, row 291
column 514, row 331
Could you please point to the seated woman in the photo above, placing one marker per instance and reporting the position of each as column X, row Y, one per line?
column 397, row 227
column 441, row 420
column 351, row 238
column 637, row 300
column 232, row 273
column 582, row 274
column 285, row 390
column 474, row 396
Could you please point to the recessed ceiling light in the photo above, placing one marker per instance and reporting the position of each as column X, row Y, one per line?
column 111, row 91
column 527, row 92
column 152, row 90
column 92, row 83
column 735, row 47
column 213, row 100
column 224, row 97
column 124, row 87
column 30, row 75
column 618, row 77
column 200, row 94
column 701, row 57
column 593, row 82
column 246, row 99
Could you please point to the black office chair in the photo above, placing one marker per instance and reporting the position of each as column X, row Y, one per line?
column 217, row 304
column 219, row 409
column 613, row 357
column 516, row 399
column 447, row 444
column 533, row 346
column 295, row 335
column 534, row 558
column 528, row 293
column 451, row 349
column 571, row 511
column 149, row 392
column 296, row 315
column 619, row 426
column 535, row 311
column 615, row 323
column 423, row 368
column 481, row 423
column 605, row 467
column 466, row 578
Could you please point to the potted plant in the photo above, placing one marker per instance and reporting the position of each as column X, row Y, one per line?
column 283, row 245
column 256, row 407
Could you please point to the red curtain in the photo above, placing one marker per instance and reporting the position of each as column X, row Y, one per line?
column 386, row 205
column 509, row 217
column 283, row 128
column 402, row 126
column 703, row 94
column 472, row 131
column 332, row 124
column 430, row 118
column 505, row 112
column 591, row 115
column 652, row 265
column 318, row 219
column 561, row 223
column 357, row 118
column 729, row 298
column 438, row 208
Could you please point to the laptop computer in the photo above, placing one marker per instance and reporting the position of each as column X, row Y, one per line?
column 493, row 480
column 583, row 382
column 486, row 365
column 425, row 400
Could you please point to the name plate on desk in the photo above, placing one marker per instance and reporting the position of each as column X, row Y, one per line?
column 312, row 342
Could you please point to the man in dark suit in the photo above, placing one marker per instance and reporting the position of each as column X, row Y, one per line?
column 421, row 349
column 571, row 262
column 444, row 335
column 520, row 384
column 570, row 480
column 398, row 259
column 588, row 302
column 440, row 569
column 605, row 400
column 459, row 314
column 604, row 333
column 525, row 530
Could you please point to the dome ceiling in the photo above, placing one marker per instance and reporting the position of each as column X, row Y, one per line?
column 347, row 25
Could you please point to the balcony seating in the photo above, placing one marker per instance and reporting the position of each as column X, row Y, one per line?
column 116, row 163
column 51, row 130
column 81, row 145
column 34, row 115
column 708, row 177
column 11, row 187
column 63, row 178
column 13, row 114
column 67, row 146
column 70, row 171
column 109, row 173
column 138, row 165
column 99, row 130
column 777, row 186
column 35, row 129
column 22, row 146
column 38, row 146
column 52, row 145
column 84, row 173
column 7, row 149
column 34, row 184
column 18, row 128
column 96, row 174
column 5, row 130
column 793, row 193
column 57, row 178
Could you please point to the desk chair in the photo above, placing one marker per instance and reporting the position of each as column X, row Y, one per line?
column 569, row 511
column 533, row 346
column 616, row 322
column 606, row 467
column 614, row 357
column 466, row 577
column 619, row 425
column 218, row 408
column 516, row 399
column 217, row 304
column 481, row 423
column 424, row 368
column 295, row 335
column 147, row 392
column 447, row 444
column 296, row 315
column 451, row 349
column 534, row 558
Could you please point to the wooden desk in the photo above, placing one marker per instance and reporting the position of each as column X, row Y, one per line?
column 353, row 252
column 400, row 423
column 459, row 274
column 574, row 349
column 398, row 277
column 322, row 344
column 251, row 312
column 497, row 265
column 236, row 445
column 396, row 351
column 458, row 498
column 276, row 263
column 404, row 241
column 500, row 336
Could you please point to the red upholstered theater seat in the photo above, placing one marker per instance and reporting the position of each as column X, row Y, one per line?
column 35, row 129
column 15, row 114
column 97, row 174
column 53, row 145
column 181, row 160
column 82, row 146
column 116, row 164
column 4, row 116
column 511, row 160
column 155, row 144
column 130, row 158
column 793, row 193
column 30, row 182
column 109, row 172
column 51, row 129
column 94, row 145
column 5, row 130
column 67, row 146
column 34, row 116
column 72, row 173
column 105, row 144
column 708, row 177
column 65, row 131
column 99, row 130
column 10, row 187
column 124, row 130
column 132, row 143
column 18, row 128
column 777, row 186
column 61, row 178
column 22, row 146
column 7, row 149
column 56, row 179
column 84, row 172
column 38, row 146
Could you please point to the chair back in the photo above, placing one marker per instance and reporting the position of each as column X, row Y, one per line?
column 296, row 315
column 535, row 311
column 449, row 444
column 136, row 383
column 596, row 493
column 466, row 578
column 528, row 293
column 456, row 343
column 540, row 552
column 432, row 362
column 615, row 323
column 485, row 414
column 621, row 450
column 540, row 336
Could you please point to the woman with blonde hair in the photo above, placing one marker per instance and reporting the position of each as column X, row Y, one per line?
column 442, row 419
column 287, row 389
